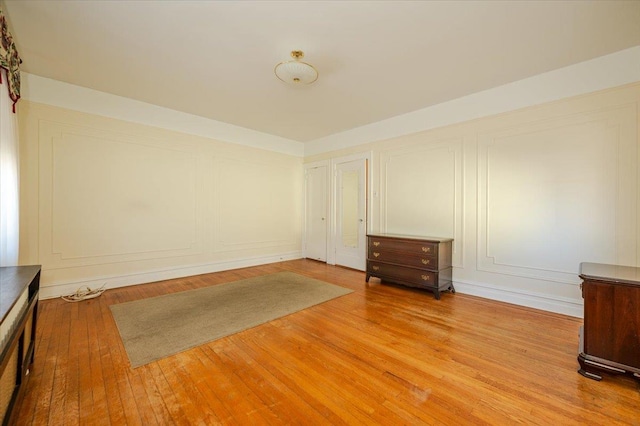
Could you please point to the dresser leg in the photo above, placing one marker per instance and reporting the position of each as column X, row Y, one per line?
column 367, row 278
column 583, row 370
column 452, row 289
column 590, row 375
column 436, row 293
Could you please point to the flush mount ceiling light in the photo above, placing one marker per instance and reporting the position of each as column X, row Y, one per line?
column 296, row 72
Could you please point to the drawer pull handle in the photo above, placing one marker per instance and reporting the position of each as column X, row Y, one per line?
column 425, row 261
column 426, row 249
column 376, row 268
column 376, row 243
column 376, row 254
column 425, row 277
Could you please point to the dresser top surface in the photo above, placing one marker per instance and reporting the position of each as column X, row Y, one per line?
column 610, row 273
column 412, row 237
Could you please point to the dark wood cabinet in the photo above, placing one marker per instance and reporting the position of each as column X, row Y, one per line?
column 423, row 262
column 610, row 336
column 19, row 289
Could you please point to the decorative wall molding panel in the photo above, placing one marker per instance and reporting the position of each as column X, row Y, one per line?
column 250, row 194
column 119, row 203
column 103, row 198
column 421, row 192
column 550, row 195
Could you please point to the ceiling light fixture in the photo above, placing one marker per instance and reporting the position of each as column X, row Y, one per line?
column 296, row 72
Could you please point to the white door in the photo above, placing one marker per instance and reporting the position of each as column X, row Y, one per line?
column 351, row 214
column 316, row 213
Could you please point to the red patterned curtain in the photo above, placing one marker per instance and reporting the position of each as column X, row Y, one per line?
column 9, row 60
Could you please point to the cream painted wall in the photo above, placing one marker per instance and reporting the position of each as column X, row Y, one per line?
column 109, row 201
column 467, row 168
column 527, row 195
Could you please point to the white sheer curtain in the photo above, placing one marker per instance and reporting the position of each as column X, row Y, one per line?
column 9, row 178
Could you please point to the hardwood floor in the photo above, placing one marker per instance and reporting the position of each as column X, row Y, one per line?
column 380, row 355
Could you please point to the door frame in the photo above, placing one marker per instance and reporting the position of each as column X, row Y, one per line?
column 332, row 240
column 327, row 215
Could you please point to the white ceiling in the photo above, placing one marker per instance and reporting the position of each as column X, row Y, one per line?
column 376, row 59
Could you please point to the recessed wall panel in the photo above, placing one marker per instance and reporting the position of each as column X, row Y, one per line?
column 422, row 192
column 551, row 196
column 259, row 204
column 114, row 198
column 112, row 203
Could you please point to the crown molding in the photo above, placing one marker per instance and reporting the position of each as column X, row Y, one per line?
column 64, row 95
column 604, row 72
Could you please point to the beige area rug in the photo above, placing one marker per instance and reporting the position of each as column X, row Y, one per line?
column 161, row 326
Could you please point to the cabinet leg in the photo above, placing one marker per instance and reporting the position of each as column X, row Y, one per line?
column 590, row 375
column 452, row 289
column 367, row 278
column 436, row 293
column 585, row 372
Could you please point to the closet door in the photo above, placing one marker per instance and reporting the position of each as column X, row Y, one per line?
column 316, row 213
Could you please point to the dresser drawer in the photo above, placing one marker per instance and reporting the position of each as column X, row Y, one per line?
column 405, row 246
column 403, row 274
column 418, row 261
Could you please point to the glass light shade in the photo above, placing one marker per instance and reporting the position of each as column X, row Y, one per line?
column 296, row 72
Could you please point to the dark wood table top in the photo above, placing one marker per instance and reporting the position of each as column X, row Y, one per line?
column 412, row 237
column 628, row 275
column 13, row 281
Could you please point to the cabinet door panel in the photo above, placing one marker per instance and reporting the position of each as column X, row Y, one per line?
column 626, row 332
column 611, row 322
column 598, row 320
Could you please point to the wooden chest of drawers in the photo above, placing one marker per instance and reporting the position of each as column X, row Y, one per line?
column 422, row 262
column 609, row 339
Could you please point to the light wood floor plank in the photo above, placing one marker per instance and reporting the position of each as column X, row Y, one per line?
column 383, row 354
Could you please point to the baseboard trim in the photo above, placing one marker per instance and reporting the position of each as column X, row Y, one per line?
column 560, row 305
column 64, row 288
